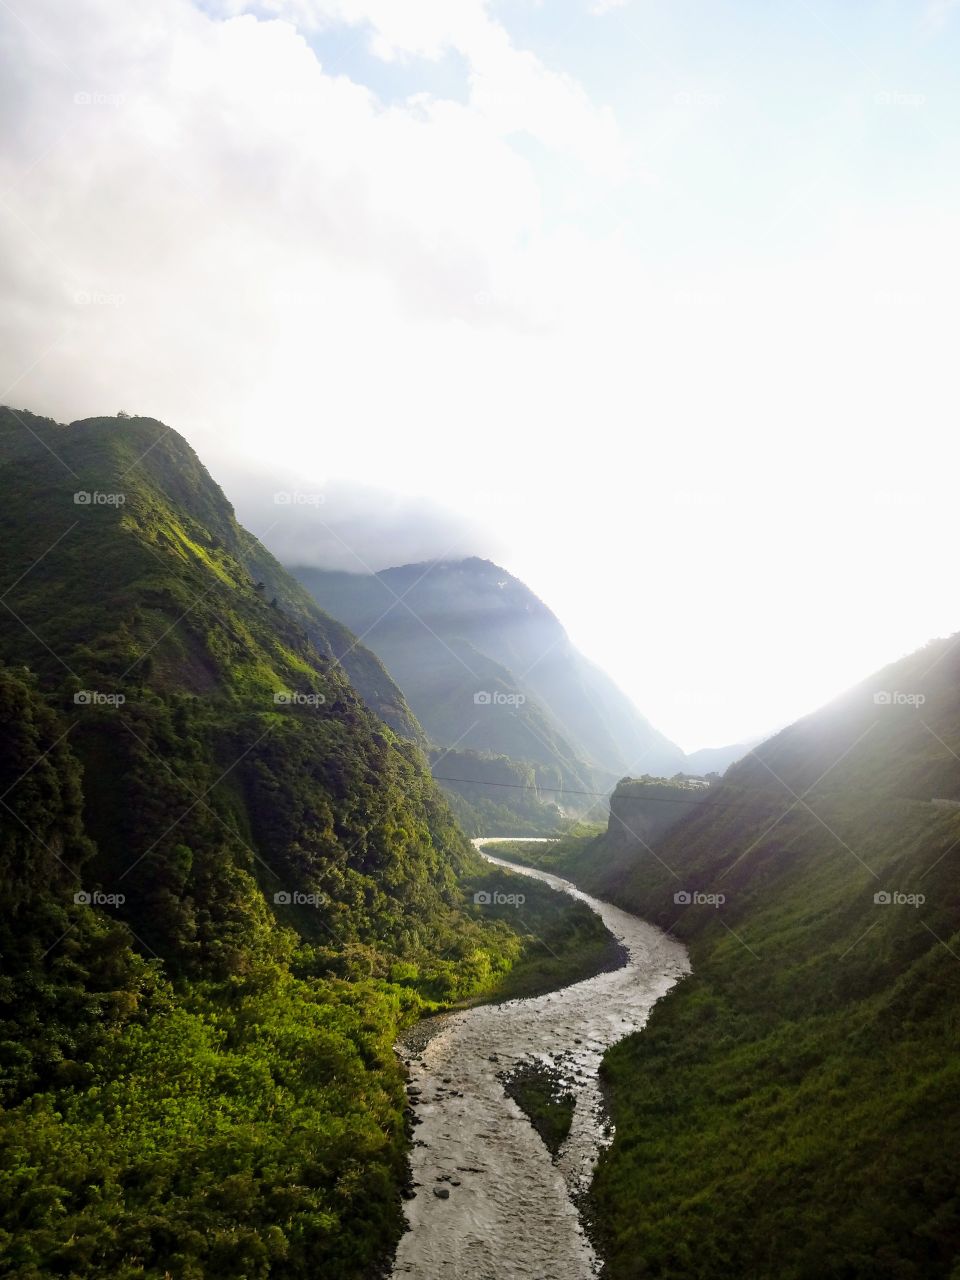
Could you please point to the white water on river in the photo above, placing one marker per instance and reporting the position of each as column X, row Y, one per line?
column 509, row 1211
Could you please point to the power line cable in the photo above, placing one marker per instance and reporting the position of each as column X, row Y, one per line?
column 564, row 791
column 605, row 795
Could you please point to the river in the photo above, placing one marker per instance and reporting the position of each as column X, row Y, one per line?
column 491, row 1203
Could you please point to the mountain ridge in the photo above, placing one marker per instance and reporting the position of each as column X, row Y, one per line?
column 790, row 1109
column 488, row 668
column 22, row 432
column 229, row 886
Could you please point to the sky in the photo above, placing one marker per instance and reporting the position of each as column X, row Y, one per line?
column 653, row 301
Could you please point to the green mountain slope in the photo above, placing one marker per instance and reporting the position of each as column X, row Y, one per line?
column 227, row 884
column 99, row 459
column 791, row 1110
column 495, row 795
column 443, row 666
column 489, row 669
column 476, row 602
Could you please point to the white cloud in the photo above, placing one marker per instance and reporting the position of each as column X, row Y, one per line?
column 937, row 13
column 679, row 437
column 509, row 87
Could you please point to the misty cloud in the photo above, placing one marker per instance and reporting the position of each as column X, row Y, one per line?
column 348, row 526
column 651, row 327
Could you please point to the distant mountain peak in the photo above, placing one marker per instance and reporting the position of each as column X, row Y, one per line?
column 470, row 627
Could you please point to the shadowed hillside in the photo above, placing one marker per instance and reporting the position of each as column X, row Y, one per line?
column 227, row 886
column 489, row 669
column 791, row 1109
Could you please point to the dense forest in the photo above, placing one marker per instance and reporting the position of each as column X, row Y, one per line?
column 228, row 884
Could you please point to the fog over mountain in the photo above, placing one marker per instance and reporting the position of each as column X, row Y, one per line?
column 476, row 652
column 336, row 527
column 567, row 278
column 342, row 524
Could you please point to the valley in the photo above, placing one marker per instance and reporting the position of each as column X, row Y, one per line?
column 229, row 885
column 479, row 675
column 486, row 1185
column 807, row 1072
column 526, row 734
column 233, row 887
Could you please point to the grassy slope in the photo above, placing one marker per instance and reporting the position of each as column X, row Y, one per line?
column 129, row 456
column 427, row 646
column 791, row 1110
column 200, row 1081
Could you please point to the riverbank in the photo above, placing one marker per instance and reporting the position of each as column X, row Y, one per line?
column 564, row 940
column 485, row 1184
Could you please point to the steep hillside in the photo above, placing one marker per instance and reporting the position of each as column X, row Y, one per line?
column 102, row 452
column 716, row 759
column 488, row 668
column 495, row 795
column 466, row 695
column 477, row 603
column 227, row 885
column 791, row 1109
